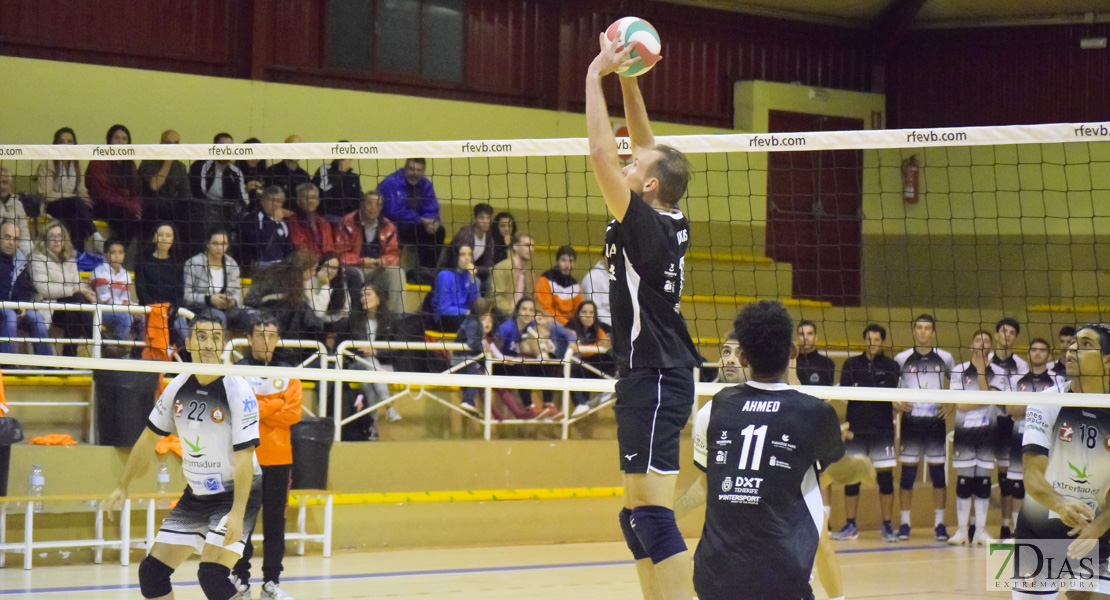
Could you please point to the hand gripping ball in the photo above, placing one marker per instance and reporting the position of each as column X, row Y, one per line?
column 638, row 34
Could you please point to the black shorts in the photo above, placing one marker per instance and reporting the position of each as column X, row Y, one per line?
column 198, row 520
column 879, row 447
column 652, row 408
column 1002, row 443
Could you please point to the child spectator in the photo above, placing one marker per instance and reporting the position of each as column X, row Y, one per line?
column 455, row 290
column 557, row 291
column 112, row 284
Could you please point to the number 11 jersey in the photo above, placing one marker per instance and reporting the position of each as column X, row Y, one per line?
column 759, row 445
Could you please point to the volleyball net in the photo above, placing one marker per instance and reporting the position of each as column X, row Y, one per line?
column 846, row 228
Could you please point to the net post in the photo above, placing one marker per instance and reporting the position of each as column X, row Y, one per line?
column 487, row 410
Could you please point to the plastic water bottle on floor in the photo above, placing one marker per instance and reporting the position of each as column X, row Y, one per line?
column 38, row 482
column 163, row 485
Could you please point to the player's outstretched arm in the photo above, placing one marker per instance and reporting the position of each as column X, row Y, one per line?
column 635, row 113
column 137, row 461
column 603, row 143
column 243, row 477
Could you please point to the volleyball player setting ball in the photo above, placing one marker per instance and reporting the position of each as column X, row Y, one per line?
column 645, row 245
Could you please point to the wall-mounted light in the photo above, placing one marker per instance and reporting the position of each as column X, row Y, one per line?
column 1093, row 43
column 819, row 94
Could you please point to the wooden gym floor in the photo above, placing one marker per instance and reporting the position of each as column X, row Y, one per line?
column 919, row 568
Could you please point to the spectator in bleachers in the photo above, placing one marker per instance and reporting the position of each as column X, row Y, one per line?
column 546, row 340
column 328, row 294
column 455, row 289
column 219, row 195
column 410, row 202
column 15, row 286
column 477, row 235
column 11, row 209
column 264, row 237
column 62, row 187
column 160, row 276
column 307, row 229
column 367, row 244
column 595, row 288
column 112, row 284
column 165, row 188
column 340, row 186
column 280, row 289
column 371, row 322
column 212, row 282
column 594, row 343
column 477, row 333
column 254, row 174
column 814, row 368
column 503, row 236
column 512, row 278
column 510, row 340
column 557, row 291
column 116, row 190
column 288, row 174
column 55, row 278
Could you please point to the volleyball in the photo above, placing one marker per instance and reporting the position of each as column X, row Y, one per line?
column 644, row 40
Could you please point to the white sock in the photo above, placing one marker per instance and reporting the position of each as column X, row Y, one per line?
column 963, row 512
column 1006, row 522
column 981, row 507
column 1016, row 513
column 905, row 517
column 938, row 517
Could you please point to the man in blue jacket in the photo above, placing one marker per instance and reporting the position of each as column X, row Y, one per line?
column 15, row 286
column 409, row 202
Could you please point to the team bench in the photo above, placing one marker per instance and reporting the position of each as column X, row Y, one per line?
column 96, row 501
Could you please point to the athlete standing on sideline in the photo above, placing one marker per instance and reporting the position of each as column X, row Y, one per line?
column 923, row 427
column 217, row 419
column 826, row 563
column 1067, row 468
column 1013, row 366
column 279, row 408
column 645, row 245
column 761, row 445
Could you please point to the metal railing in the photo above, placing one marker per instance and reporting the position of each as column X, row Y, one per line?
column 97, row 340
column 229, row 351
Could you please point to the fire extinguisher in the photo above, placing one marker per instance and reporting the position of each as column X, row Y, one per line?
column 910, row 179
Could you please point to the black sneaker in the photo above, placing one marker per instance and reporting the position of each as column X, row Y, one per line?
column 942, row 533
column 1006, row 533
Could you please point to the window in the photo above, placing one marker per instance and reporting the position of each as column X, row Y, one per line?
column 416, row 38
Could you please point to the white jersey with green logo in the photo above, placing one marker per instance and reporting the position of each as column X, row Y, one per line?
column 213, row 421
column 1077, row 442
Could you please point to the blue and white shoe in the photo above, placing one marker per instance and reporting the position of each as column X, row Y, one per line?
column 848, row 532
column 887, row 534
column 904, row 531
column 941, row 532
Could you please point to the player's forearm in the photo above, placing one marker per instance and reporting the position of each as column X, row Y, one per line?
column 603, row 142
column 139, row 458
column 692, row 498
column 1036, row 485
column 635, row 113
column 244, row 476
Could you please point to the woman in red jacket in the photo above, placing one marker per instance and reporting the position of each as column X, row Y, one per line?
column 114, row 187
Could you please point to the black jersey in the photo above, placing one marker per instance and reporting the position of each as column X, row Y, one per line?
column 1034, row 382
column 860, row 371
column 647, row 253
column 815, row 369
column 759, row 445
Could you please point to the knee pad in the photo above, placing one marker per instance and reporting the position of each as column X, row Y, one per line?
column 937, row 476
column 1018, row 487
column 630, row 538
column 154, row 578
column 964, row 487
column 885, row 480
column 657, row 532
column 851, row 490
column 215, row 582
column 1006, row 487
column 909, row 473
column 983, row 487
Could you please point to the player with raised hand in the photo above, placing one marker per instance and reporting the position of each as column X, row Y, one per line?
column 645, row 245
column 1067, row 466
column 217, row 418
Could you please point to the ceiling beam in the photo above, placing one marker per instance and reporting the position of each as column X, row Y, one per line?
column 890, row 29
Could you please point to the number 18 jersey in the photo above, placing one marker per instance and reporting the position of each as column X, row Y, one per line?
column 759, row 445
column 213, row 421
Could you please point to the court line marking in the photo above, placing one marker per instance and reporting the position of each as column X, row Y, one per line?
column 422, row 573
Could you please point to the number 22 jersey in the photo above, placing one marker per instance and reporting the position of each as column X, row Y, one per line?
column 758, row 444
column 213, row 421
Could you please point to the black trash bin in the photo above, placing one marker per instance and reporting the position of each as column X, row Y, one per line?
column 312, row 439
column 124, row 400
column 11, row 432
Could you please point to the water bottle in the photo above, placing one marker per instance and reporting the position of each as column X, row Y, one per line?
column 38, row 482
column 163, row 485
